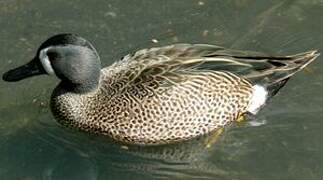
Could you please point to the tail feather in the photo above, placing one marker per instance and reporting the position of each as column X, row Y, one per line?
column 271, row 72
column 276, row 71
column 274, row 88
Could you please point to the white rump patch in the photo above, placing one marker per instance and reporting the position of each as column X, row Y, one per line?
column 45, row 61
column 258, row 99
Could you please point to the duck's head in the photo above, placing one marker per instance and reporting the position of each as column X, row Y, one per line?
column 67, row 56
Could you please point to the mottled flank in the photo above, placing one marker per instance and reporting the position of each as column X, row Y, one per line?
column 164, row 95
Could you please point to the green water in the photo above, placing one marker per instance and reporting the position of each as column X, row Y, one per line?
column 284, row 141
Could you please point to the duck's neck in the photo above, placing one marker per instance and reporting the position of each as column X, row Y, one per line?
column 83, row 88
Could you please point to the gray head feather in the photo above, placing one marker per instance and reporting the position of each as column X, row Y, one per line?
column 77, row 66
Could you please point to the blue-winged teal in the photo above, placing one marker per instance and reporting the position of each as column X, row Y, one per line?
column 157, row 95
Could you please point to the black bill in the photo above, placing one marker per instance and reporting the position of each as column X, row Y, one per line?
column 30, row 69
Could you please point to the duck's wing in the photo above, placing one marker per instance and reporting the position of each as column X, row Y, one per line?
column 175, row 62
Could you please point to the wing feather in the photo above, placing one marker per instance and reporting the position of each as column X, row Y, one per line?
column 176, row 63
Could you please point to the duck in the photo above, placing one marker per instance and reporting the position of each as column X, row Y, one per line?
column 158, row 95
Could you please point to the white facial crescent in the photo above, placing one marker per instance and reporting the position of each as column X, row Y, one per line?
column 45, row 61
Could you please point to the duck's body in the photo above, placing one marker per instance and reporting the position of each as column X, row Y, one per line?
column 154, row 111
column 172, row 93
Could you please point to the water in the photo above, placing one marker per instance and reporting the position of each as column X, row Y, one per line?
column 284, row 141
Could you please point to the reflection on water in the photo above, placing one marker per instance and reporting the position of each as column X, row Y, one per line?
column 282, row 142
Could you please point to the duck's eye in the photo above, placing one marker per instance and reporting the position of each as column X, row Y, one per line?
column 52, row 55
